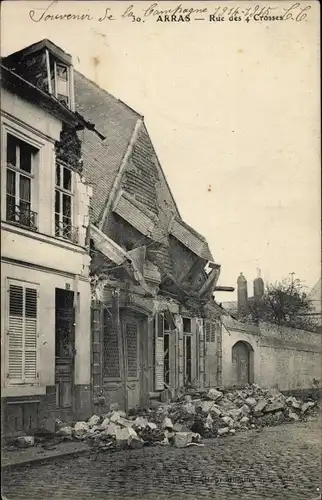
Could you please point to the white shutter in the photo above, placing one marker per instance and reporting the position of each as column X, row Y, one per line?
column 30, row 344
column 159, row 353
column 211, row 353
column 22, row 333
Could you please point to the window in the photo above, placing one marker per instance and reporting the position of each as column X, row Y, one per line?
column 186, row 325
column 22, row 333
column 20, row 174
column 60, row 81
column 63, row 204
column 187, row 358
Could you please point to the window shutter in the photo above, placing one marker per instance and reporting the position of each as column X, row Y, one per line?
column 30, row 344
column 16, row 324
column 22, row 332
column 179, row 324
column 210, row 353
column 159, row 353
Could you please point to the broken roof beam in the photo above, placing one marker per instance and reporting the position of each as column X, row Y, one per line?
column 220, row 288
column 107, row 246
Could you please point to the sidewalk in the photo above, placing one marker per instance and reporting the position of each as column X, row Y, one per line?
column 36, row 454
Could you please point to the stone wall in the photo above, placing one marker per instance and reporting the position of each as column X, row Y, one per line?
column 286, row 358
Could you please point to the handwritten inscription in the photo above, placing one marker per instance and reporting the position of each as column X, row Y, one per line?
column 297, row 12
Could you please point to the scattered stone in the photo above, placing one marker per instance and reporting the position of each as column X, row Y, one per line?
column 228, row 420
column 245, row 410
column 307, row 405
column 182, row 439
column 260, row 406
column 189, row 408
column 81, row 429
column 215, row 409
column 65, row 431
column 275, row 406
column 94, row 420
column 167, row 424
column 105, row 423
column 235, row 414
column 25, row 441
column 223, row 430
column 116, row 415
column 206, row 406
column 182, row 422
column 180, row 428
column 214, row 394
column 250, row 402
column 111, row 429
column 209, row 422
column 135, row 442
column 123, row 435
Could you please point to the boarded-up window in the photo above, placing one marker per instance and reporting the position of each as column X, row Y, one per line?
column 131, row 334
column 22, row 333
column 111, row 354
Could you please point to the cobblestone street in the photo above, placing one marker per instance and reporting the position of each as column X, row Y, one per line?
column 276, row 463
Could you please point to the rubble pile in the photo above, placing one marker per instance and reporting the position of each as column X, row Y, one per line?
column 190, row 418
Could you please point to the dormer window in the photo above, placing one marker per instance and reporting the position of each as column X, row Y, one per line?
column 60, row 79
column 47, row 67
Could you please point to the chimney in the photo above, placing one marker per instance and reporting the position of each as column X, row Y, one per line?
column 242, row 296
column 258, row 286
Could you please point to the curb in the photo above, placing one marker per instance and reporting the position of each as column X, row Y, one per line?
column 43, row 460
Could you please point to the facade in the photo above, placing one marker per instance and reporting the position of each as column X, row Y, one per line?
column 155, row 324
column 45, row 321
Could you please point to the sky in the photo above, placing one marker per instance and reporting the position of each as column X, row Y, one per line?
column 233, row 111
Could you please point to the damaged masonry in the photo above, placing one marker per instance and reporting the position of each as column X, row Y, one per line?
column 189, row 419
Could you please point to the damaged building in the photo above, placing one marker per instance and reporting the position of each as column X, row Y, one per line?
column 155, row 324
column 121, row 288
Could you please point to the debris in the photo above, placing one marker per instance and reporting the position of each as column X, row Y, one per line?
column 250, row 402
column 209, row 421
column 81, row 429
column 116, row 415
column 223, row 430
column 182, row 439
column 167, row 424
column 214, row 394
column 135, row 442
column 94, row 420
column 307, row 405
column 25, row 441
column 65, row 431
column 275, row 406
column 189, row 418
column 260, row 406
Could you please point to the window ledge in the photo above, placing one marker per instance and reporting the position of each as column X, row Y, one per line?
column 22, row 390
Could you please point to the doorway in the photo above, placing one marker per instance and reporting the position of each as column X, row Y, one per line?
column 242, row 363
column 64, row 348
